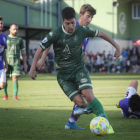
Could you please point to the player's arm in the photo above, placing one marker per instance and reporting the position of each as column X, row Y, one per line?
column 111, row 41
column 5, row 61
column 41, row 62
column 32, row 72
column 24, row 59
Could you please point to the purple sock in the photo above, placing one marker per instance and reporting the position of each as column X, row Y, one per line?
column 73, row 118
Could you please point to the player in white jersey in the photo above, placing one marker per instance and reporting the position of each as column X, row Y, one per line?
column 130, row 105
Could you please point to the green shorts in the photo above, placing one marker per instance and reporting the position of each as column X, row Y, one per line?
column 13, row 70
column 72, row 81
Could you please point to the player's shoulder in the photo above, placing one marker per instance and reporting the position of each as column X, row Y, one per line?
column 4, row 35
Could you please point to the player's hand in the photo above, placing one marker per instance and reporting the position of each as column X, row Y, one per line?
column 6, row 68
column 117, row 53
column 32, row 74
column 40, row 64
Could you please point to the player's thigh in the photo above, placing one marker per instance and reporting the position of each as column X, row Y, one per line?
column 16, row 71
column 9, row 72
column 69, row 88
column 2, row 78
column 82, row 79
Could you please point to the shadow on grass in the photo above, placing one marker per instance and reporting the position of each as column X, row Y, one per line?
column 42, row 124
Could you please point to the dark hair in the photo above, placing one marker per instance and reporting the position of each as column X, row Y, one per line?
column 87, row 8
column 134, row 102
column 1, row 18
column 13, row 24
column 68, row 13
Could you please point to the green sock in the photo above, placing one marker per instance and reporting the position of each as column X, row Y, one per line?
column 5, row 88
column 97, row 108
column 15, row 88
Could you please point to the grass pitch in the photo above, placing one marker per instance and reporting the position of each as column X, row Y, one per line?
column 43, row 110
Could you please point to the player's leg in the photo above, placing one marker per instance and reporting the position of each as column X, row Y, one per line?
column 85, row 86
column 3, row 81
column 70, row 89
column 6, row 84
column 15, row 74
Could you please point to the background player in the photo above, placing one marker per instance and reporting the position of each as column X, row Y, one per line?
column 14, row 45
column 130, row 105
column 3, row 46
column 72, row 75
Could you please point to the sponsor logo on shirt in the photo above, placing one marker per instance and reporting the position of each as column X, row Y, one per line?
column 84, row 80
column 45, row 40
column 66, row 50
column 51, row 33
column 75, row 38
column 1, row 48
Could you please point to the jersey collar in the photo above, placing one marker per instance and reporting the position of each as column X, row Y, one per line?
column 65, row 31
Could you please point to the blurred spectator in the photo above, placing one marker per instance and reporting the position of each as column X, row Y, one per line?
column 103, row 55
column 110, row 56
column 124, row 64
column 128, row 52
column 87, row 63
column 90, row 55
column 124, row 53
column 134, row 52
column 33, row 53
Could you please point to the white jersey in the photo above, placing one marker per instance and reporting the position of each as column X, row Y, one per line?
column 130, row 91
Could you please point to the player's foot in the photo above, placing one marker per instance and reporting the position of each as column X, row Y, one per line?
column 5, row 97
column 110, row 131
column 15, row 98
column 79, row 111
column 72, row 126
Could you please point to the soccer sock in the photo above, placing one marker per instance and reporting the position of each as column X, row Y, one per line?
column 15, row 88
column 5, row 88
column 97, row 108
column 73, row 118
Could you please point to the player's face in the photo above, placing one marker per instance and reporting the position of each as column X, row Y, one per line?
column 13, row 30
column 69, row 25
column 86, row 18
column 1, row 25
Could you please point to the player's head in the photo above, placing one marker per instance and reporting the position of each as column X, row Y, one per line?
column 134, row 103
column 86, row 14
column 13, row 29
column 1, row 24
column 69, row 19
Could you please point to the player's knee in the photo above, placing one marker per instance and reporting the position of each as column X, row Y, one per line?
column 135, row 82
column 2, row 85
column 88, row 94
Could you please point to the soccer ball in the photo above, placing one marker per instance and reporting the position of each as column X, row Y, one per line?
column 99, row 125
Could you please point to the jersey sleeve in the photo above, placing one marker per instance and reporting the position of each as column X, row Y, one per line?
column 48, row 40
column 22, row 44
column 90, row 32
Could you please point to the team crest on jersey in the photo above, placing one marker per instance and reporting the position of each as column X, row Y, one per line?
column 91, row 29
column 45, row 40
column 4, row 39
column 75, row 38
column 51, row 33
column 66, row 50
column 1, row 48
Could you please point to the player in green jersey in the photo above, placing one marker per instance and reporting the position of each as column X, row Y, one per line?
column 72, row 75
column 14, row 46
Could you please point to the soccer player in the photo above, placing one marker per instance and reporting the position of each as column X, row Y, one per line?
column 72, row 75
column 130, row 105
column 3, row 46
column 85, row 17
column 14, row 45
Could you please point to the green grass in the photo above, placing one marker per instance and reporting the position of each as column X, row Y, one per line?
column 43, row 110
